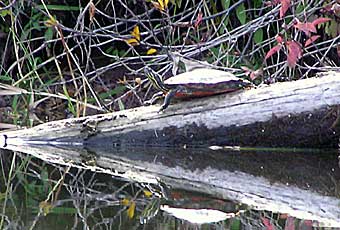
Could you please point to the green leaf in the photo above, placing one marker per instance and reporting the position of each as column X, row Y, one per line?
column 69, row 102
column 225, row 23
column 121, row 105
column 225, row 4
column 179, row 3
column 258, row 36
column 241, row 13
column 300, row 7
column 4, row 13
column 64, row 210
column 59, row 7
column 5, row 78
column 331, row 29
column 48, row 34
column 257, row 3
column 15, row 102
column 44, row 175
column 236, row 224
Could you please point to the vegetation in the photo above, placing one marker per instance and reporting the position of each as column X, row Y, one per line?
column 74, row 58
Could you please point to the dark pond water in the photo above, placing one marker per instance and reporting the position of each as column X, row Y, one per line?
column 166, row 188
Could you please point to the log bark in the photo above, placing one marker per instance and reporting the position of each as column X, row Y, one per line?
column 303, row 113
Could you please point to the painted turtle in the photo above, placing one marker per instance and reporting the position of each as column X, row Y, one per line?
column 196, row 83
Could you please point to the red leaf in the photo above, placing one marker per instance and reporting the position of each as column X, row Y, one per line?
column 272, row 51
column 306, row 27
column 253, row 74
column 285, row 4
column 279, row 38
column 290, row 225
column 294, row 53
column 320, row 20
column 246, row 70
column 267, row 223
column 308, row 223
column 311, row 40
column 199, row 19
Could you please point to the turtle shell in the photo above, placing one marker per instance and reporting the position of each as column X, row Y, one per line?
column 205, row 82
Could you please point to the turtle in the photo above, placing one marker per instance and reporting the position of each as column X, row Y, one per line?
column 199, row 82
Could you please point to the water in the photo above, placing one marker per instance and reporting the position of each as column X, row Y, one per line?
column 167, row 188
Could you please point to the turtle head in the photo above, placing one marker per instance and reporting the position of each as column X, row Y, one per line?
column 155, row 78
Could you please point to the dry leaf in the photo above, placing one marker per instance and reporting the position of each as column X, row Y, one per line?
column 138, row 80
column 92, row 11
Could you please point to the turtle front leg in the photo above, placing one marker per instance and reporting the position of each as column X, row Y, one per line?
column 167, row 99
column 154, row 98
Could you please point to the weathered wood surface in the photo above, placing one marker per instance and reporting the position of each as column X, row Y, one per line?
column 299, row 184
column 300, row 114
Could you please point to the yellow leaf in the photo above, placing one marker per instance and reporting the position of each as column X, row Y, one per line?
column 157, row 5
column 138, row 80
column 51, row 22
column 132, row 41
column 46, row 207
column 166, row 2
column 136, row 33
column 125, row 202
column 151, row 51
column 147, row 193
column 136, row 37
column 161, row 4
column 123, row 82
column 131, row 210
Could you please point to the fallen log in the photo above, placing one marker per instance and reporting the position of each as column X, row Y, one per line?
column 302, row 113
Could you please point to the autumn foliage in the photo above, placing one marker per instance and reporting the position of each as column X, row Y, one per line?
column 294, row 48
